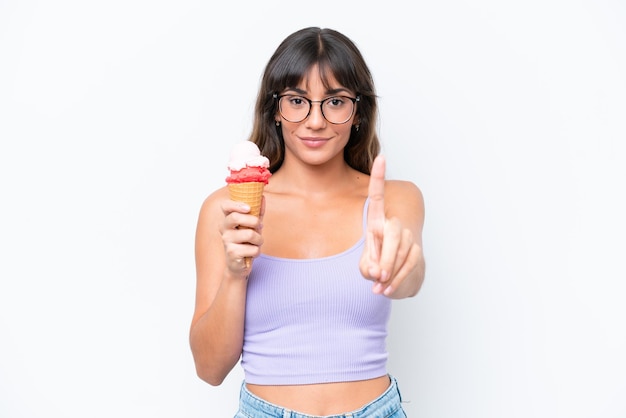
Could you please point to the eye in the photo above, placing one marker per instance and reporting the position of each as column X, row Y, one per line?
column 335, row 101
column 296, row 101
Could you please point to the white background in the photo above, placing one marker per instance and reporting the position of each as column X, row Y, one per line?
column 117, row 117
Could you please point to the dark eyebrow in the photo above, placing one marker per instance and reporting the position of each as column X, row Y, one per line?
column 339, row 90
column 296, row 90
column 328, row 92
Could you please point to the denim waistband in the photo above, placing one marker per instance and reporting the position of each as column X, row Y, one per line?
column 384, row 406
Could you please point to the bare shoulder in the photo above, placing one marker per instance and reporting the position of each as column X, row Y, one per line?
column 211, row 203
column 403, row 192
column 404, row 200
column 208, row 218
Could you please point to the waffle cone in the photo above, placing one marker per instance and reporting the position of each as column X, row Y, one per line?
column 250, row 193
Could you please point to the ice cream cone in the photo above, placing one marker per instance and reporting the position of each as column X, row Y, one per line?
column 248, row 174
column 250, row 193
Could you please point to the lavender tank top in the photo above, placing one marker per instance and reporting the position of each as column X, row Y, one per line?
column 314, row 321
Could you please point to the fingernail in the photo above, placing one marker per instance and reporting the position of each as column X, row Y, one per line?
column 373, row 273
column 377, row 288
column 388, row 291
column 384, row 276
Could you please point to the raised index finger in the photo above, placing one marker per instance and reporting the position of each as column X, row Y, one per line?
column 376, row 193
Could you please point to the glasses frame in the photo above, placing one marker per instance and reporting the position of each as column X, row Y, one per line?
column 354, row 100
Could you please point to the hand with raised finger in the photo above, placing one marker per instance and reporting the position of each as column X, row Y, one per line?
column 387, row 243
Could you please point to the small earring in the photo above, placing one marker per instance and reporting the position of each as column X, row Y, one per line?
column 356, row 127
column 277, row 123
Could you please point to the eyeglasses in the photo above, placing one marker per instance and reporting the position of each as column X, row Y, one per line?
column 336, row 110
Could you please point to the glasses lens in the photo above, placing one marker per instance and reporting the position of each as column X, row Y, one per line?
column 294, row 108
column 336, row 110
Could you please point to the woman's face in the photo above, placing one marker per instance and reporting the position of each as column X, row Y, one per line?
column 315, row 140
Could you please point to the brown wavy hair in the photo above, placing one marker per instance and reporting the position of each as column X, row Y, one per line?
column 336, row 56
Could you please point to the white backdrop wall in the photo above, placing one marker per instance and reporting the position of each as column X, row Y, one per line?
column 116, row 119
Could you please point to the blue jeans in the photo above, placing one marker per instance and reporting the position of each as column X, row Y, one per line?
column 386, row 405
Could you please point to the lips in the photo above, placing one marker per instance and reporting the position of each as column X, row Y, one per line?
column 314, row 142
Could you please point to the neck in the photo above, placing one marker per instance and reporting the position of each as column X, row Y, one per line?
column 329, row 178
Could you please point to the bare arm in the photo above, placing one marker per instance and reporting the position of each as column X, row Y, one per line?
column 216, row 334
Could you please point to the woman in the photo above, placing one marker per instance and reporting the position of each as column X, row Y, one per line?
column 335, row 242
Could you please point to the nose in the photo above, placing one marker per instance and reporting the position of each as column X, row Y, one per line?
column 316, row 119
